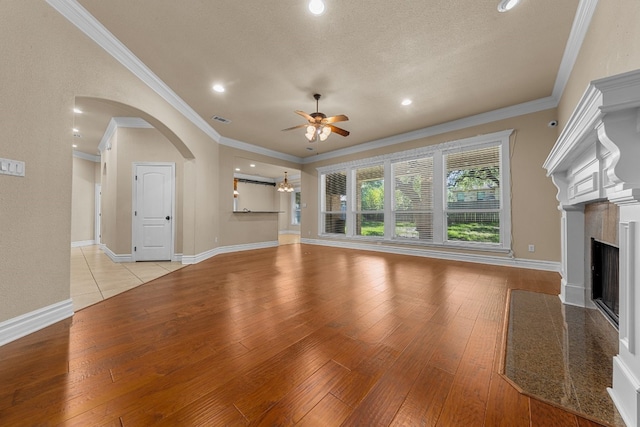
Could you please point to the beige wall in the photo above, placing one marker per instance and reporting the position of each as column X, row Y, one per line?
column 257, row 197
column 612, row 46
column 534, row 214
column 47, row 63
column 83, row 200
column 131, row 145
column 285, row 218
column 237, row 228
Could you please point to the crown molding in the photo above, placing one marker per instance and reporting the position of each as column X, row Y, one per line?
column 234, row 143
column 467, row 122
column 120, row 122
column 132, row 122
column 90, row 26
column 581, row 22
column 108, row 133
column 85, row 22
column 85, row 156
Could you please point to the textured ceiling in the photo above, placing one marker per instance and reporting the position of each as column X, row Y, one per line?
column 452, row 58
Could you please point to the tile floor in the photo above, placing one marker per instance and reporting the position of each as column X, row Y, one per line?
column 94, row 277
column 562, row 354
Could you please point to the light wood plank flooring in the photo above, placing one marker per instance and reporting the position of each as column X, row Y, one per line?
column 294, row 335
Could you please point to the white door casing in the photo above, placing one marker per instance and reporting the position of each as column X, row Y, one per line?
column 97, row 237
column 153, row 211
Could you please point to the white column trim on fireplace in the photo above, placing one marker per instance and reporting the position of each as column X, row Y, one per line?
column 596, row 158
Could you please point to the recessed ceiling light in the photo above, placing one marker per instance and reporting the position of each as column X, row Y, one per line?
column 406, row 102
column 316, row 7
column 218, row 88
column 75, row 130
column 252, row 165
column 74, row 146
column 77, row 111
column 506, row 5
column 237, row 169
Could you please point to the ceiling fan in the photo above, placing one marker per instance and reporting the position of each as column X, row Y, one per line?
column 320, row 126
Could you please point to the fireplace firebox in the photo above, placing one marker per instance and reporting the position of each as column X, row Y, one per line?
column 604, row 279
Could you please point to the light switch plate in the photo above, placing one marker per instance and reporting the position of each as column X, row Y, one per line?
column 12, row 167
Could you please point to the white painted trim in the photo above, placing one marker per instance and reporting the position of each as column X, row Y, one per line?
column 229, row 142
column 625, row 392
column 108, row 133
column 116, row 257
column 429, row 253
column 85, row 22
column 132, row 122
column 97, row 221
column 82, row 243
column 194, row 259
column 466, row 122
column 120, row 122
column 25, row 324
column 89, row 25
column 85, row 156
column 285, row 232
column 176, row 258
column 586, row 9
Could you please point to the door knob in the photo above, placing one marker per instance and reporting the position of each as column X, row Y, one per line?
column 168, row 218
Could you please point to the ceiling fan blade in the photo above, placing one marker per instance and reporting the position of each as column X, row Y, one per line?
column 338, row 130
column 305, row 115
column 334, row 119
column 297, row 127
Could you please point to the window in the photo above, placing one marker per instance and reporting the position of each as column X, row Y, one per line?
column 413, row 199
column 334, row 203
column 473, row 195
column 369, row 208
column 295, row 208
column 451, row 194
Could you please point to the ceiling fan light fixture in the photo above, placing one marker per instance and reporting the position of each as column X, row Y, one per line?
column 316, row 7
column 507, row 5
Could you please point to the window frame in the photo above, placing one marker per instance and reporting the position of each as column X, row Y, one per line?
column 294, row 209
column 439, row 192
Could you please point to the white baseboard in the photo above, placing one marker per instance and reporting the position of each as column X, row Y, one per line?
column 194, row 259
column 296, row 232
column 432, row 253
column 572, row 293
column 81, row 243
column 176, row 258
column 117, row 257
column 18, row 327
column 625, row 392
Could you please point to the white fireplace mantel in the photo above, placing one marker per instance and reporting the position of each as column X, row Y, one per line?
column 597, row 157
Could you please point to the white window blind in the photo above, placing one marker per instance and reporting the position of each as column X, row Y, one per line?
column 413, row 199
column 473, row 205
column 335, row 202
column 369, row 206
column 454, row 194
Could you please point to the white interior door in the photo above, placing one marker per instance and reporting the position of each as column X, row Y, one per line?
column 153, row 212
column 98, row 221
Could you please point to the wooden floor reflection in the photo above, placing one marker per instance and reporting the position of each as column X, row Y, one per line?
column 291, row 335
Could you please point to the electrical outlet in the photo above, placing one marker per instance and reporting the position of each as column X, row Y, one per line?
column 532, row 248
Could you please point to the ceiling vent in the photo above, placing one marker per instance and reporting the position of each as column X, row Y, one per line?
column 221, row 119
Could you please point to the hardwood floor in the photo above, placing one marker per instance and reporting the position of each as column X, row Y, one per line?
column 294, row 335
